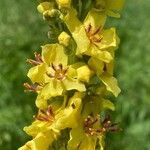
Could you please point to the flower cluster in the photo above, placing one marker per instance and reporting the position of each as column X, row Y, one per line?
column 73, row 76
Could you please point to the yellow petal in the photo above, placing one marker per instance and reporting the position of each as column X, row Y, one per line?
column 110, row 39
column 111, row 83
column 68, row 117
column 96, row 65
column 78, row 31
column 79, row 140
column 40, row 142
column 54, row 53
column 37, row 73
column 95, row 19
column 33, row 129
column 73, row 84
column 52, row 89
column 102, row 55
column 71, row 72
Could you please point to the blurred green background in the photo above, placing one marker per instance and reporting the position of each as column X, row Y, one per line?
column 22, row 31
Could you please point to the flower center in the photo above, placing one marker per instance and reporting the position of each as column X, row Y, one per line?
column 58, row 72
column 46, row 115
column 106, row 126
column 89, row 122
column 93, row 35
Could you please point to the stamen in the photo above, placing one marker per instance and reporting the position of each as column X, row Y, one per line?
column 50, row 111
column 54, row 67
column 96, row 31
column 105, row 67
column 88, row 29
column 109, row 126
column 73, row 106
column 89, row 123
column 38, row 59
column 93, row 35
column 30, row 88
column 46, row 115
column 59, row 72
column 60, row 66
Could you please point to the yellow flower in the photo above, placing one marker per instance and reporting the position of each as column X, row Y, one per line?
column 89, row 129
column 46, row 128
column 41, row 131
column 62, row 80
column 54, row 75
column 90, row 37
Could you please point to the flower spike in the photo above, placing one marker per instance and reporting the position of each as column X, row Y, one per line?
column 73, row 76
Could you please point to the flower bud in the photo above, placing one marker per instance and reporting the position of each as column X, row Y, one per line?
column 64, row 3
column 84, row 73
column 50, row 14
column 42, row 7
column 64, row 39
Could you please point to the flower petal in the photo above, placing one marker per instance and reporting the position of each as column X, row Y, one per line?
column 104, row 56
column 78, row 31
column 54, row 53
column 110, row 39
column 40, row 142
column 73, row 84
column 95, row 19
column 68, row 117
column 107, row 104
column 37, row 73
column 52, row 89
column 79, row 140
column 111, row 83
column 96, row 65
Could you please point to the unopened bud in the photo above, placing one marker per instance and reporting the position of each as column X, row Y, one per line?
column 64, row 3
column 84, row 73
column 51, row 14
column 42, row 7
column 64, row 39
